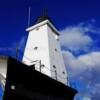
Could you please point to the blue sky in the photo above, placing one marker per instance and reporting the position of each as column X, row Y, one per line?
column 1, row 92
column 79, row 24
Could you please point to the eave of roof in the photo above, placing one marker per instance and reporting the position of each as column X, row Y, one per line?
column 43, row 23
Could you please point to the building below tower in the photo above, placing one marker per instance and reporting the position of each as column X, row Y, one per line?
column 25, row 83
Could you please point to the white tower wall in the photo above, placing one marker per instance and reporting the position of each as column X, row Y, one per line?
column 43, row 45
column 3, row 66
column 38, row 38
column 56, row 59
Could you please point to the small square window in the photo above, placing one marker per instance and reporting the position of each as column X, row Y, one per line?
column 54, row 66
column 63, row 72
column 55, row 49
column 35, row 48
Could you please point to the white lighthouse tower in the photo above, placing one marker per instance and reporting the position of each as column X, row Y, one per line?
column 43, row 50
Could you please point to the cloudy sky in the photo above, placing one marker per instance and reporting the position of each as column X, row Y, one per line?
column 79, row 24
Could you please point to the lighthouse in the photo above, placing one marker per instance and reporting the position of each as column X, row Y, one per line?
column 43, row 50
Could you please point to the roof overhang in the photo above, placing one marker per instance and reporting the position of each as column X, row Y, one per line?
column 43, row 23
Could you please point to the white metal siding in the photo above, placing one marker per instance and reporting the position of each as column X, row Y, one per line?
column 3, row 67
column 56, row 57
column 38, row 38
column 45, row 39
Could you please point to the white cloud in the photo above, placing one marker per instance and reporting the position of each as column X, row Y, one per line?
column 72, row 63
column 84, row 69
column 91, row 59
column 83, row 62
column 74, row 38
column 86, row 98
column 82, row 97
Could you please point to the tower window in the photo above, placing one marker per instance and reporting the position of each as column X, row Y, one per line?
column 35, row 48
column 54, row 66
column 55, row 49
column 63, row 72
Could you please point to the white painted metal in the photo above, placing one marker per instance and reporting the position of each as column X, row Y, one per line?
column 3, row 66
column 42, row 48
